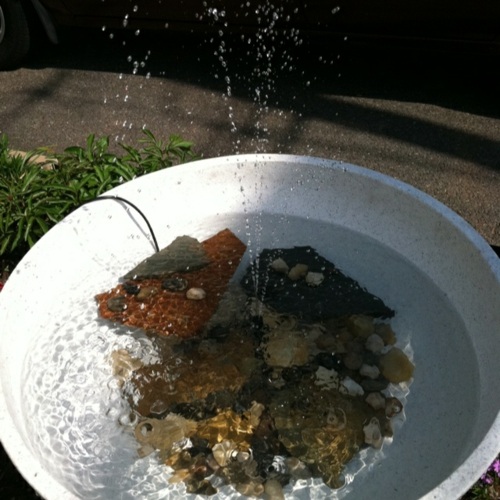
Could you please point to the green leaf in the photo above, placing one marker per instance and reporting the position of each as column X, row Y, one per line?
column 17, row 237
column 75, row 151
column 42, row 225
column 5, row 243
column 28, row 228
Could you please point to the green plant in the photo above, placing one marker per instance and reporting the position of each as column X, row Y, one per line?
column 33, row 199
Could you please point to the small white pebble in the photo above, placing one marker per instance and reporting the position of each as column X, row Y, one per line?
column 374, row 343
column 298, row 271
column 329, row 379
column 375, row 400
column 196, row 294
column 314, row 279
column 350, row 387
column 372, row 432
column 280, row 266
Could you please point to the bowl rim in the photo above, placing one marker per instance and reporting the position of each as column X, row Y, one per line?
column 41, row 480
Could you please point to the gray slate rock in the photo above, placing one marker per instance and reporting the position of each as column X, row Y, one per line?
column 184, row 254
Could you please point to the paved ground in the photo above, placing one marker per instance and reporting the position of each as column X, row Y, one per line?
column 430, row 117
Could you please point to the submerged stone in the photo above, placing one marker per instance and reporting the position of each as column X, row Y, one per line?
column 338, row 295
column 196, row 294
column 175, row 284
column 117, row 304
column 146, row 292
column 373, row 434
column 255, row 405
column 163, row 434
column 183, row 255
column 165, row 313
column 376, row 400
column 131, row 288
column 396, row 367
column 285, row 348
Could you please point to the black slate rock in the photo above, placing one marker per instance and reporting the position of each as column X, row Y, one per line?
column 338, row 295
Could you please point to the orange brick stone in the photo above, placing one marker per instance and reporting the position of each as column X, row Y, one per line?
column 166, row 313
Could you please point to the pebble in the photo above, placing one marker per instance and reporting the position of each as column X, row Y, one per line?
column 146, row 292
column 196, row 294
column 131, row 288
column 327, row 378
column 376, row 400
column 369, row 371
column 298, row 271
column 361, row 326
column 378, row 384
column 117, row 304
column 374, row 343
column 336, row 418
column 349, row 386
column 395, row 366
column 297, row 469
column 222, row 452
column 273, row 490
column 385, row 331
column 280, row 266
column 175, row 284
column 287, row 349
column 393, row 406
column 353, row 360
column 373, row 434
column 314, row 279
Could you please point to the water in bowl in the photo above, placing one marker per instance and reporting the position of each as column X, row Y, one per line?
column 79, row 423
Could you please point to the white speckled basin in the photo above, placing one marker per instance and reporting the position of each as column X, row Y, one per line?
column 57, row 412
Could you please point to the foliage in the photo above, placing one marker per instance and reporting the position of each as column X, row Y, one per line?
column 33, row 197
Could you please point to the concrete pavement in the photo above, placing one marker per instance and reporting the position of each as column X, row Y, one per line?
column 428, row 116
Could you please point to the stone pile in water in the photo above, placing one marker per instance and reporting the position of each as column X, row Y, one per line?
column 177, row 290
column 266, row 393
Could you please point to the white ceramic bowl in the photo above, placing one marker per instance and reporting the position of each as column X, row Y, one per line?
column 422, row 259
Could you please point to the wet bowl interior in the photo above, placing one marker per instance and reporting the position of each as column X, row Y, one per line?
column 58, row 416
